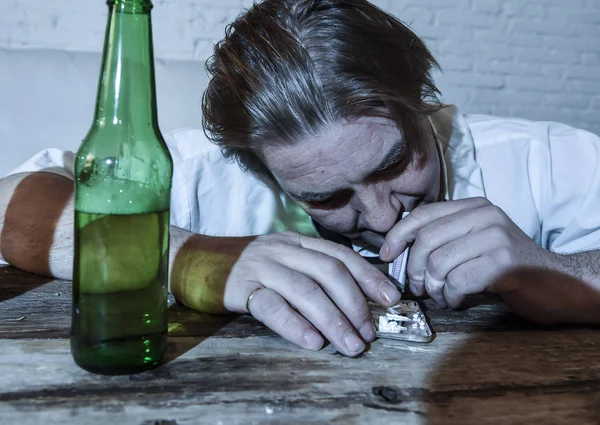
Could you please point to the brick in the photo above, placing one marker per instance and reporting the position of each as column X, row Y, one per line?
column 564, row 57
column 477, row 108
column 455, row 95
column 470, row 79
column 448, row 31
column 493, row 7
column 572, row 5
column 553, row 71
column 567, row 100
column 456, row 63
column 582, row 86
column 584, row 73
column 416, row 17
column 591, row 59
column 504, row 67
column 586, row 115
column 573, row 13
column 544, row 27
column 455, row 47
column 587, row 30
column 495, row 66
column 505, row 38
column 439, row 4
column 474, row 20
column 507, row 97
column 579, row 44
column 541, row 55
column 539, row 114
column 383, row 4
column 480, row 51
column 209, row 3
column 535, row 83
column 518, row 9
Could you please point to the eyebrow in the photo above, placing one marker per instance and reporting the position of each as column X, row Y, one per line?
column 390, row 160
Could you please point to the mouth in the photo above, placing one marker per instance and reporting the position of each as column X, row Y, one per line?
column 371, row 238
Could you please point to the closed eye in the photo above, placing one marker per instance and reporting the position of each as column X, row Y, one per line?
column 337, row 201
column 391, row 170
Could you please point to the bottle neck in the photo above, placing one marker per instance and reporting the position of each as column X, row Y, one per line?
column 126, row 91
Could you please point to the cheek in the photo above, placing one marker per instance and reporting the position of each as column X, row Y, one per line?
column 342, row 220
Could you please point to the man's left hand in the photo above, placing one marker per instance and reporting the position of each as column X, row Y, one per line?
column 460, row 248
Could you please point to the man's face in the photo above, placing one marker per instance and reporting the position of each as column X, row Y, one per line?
column 348, row 177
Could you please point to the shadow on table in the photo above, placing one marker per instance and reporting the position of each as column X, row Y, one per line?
column 519, row 374
column 188, row 329
column 15, row 282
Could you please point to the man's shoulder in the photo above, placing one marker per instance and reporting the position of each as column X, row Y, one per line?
column 493, row 130
column 490, row 130
column 191, row 142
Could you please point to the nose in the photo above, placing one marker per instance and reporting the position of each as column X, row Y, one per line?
column 380, row 211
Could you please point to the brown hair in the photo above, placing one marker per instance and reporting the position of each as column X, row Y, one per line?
column 287, row 68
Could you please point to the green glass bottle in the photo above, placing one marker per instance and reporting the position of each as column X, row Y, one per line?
column 123, row 173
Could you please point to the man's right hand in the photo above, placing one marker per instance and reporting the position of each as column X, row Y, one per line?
column 307, row 288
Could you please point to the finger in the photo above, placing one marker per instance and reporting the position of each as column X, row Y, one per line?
column 337, row 282
column 435, row 289
column 451, row 255
column 236, row 298
column 406, row 230
column 469, row 278
column 306, row 296
column 417, row 287
column 249, row 299
column 374, row 284
column 272, row 310
column 442, row 241
column 472, row 245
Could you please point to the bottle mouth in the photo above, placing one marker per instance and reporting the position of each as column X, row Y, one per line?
column 131, row 6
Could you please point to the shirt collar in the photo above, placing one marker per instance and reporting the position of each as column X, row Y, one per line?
column 463, row 173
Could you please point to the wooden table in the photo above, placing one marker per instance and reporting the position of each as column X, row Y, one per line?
column 484, row 366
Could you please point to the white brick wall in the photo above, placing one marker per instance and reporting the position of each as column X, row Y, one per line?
column 537, row 59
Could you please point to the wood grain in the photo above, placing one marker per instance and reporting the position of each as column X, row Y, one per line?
column 43, row 311
column 485, row 366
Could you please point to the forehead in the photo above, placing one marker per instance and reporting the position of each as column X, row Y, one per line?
column 341, row 154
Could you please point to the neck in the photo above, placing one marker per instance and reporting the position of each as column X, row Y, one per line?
column 126, row 94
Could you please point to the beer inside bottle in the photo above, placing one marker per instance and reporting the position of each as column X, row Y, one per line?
column 123, row 175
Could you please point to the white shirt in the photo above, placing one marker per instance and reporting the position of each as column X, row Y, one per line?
column 544, row 175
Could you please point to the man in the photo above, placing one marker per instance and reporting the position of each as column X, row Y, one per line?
column 331, row 104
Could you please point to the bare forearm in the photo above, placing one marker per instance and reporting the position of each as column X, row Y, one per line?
column 200, row 266
column 582, row 265
column 36, row 224
column 36, row 220
column 566, row 292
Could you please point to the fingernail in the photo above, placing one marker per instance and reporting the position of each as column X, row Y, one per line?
column 368, row 331
column 441, row 303
column 384, row 252
column 313, row 341
column 353, row 343
column 390, row 293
